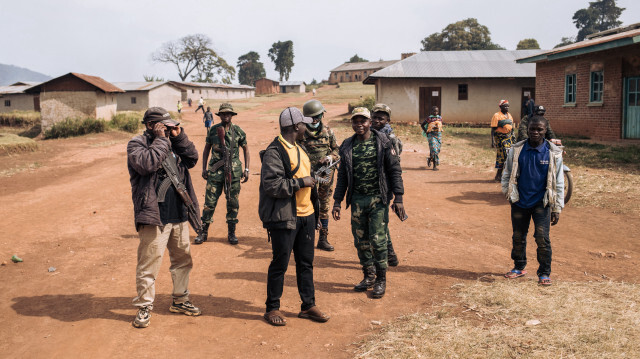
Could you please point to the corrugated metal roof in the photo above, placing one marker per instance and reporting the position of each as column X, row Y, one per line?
column 461, row 64
column 14, row 89
column 291, row 83
column 371, row 65
column 140, row 86
column 212, row 85
column 25, row 83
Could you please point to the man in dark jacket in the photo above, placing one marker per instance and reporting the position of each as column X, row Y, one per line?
column 288, row 210
column 369, row 175
column 160, row 214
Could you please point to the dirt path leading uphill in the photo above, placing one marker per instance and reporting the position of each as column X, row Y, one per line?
column 69, row 207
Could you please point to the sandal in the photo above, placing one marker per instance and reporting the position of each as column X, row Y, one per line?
column 314, row 314
column 515, row 273
column 275, row 318
column 544, row 281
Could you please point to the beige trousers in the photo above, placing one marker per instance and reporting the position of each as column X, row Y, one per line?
column 153, row 241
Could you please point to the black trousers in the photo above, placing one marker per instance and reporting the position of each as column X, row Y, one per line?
column 301, row 241
column 520, row 219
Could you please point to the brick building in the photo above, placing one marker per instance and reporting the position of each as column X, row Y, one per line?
column 592, row 88
column 75, row 96
column 267, row 86
column 356, row 71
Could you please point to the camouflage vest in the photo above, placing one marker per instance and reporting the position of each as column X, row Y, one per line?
column 319, row 144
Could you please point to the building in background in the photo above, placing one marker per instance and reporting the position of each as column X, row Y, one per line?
column 465, row 85
column 356, row 71
column 13, row 97
column 592, row 88
column 139, row 96
column 292, row 86
column 265, row 86
column 75, row 95
column 212, row 91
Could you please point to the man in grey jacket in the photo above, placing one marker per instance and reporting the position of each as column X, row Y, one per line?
column 533, row 182
column 160, row 214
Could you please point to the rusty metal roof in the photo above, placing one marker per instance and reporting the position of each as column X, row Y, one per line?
column 460, row 64
column 96, row 81
column 357, row 66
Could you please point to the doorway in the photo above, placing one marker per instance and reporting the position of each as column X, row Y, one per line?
column 526, row 91
column 429, row 97
column 631, row 113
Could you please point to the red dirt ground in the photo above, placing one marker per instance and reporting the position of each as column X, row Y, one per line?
column 73, row 211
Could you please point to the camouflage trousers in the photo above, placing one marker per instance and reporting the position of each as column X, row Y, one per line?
column 325, row 191
column 215, row 188
column 369, row 229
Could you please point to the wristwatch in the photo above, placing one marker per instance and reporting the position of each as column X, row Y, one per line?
column 246, row 170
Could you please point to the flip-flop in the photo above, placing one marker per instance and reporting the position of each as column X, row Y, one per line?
column 515, row 273
column 314, row 314
column 544, row 281
column 272, row 315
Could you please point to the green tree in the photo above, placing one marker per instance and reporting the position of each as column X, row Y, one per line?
column 528, row 44
column 194, row 53
column 281, row 53
column 152, row 78
column 356, row 58
column 566, row 41
column 250, row 68
column 601, row 15
column 466, row 34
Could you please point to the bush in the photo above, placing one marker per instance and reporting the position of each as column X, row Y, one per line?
column 126, row 121
column 75, row 127
column 367, row 102
column 20, row 118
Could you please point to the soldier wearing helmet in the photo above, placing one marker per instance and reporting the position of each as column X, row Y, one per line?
column 321, row 145
column 524, row 125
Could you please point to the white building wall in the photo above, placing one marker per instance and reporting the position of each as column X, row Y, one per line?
column 18, row 102
column 165, row 96
column 106, row 105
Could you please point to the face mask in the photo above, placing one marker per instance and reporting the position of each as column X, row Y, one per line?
column 314, row 125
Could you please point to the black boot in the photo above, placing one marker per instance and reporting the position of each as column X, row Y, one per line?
column 392, row 257
column 323, row 243
column 231, row 237
column 202, row 236
column 380, row 286
column 498, row 177
column 369, row 279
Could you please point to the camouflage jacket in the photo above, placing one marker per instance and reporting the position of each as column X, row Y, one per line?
column 234, row 139
column 320, row 143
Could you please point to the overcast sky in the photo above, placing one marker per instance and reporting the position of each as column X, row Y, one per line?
column 114, row 39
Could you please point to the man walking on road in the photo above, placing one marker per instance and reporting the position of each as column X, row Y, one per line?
column 217, row 175
column 321, row 146
column 201, row 103
column 368, row 175
column 160, row 214
column 287, row 208
column 533, row 182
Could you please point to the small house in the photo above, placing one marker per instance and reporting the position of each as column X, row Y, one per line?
column 213, row 91
column 139, row 96
column 357, row 71
column 292, row 87
column 14, row 98
column 266, row 86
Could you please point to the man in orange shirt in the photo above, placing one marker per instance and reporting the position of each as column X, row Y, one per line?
column 502, row 135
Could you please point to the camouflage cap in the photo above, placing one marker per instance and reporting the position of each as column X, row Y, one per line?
column 225, row 107
column 361, row 111
column 380, row 107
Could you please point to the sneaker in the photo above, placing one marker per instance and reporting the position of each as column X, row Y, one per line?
column 185, row 308
column 142, row 318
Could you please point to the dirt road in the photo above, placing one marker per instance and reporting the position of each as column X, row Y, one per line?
column 69, row 207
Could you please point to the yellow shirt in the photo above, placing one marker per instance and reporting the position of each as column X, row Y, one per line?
column 304, row 207
column 498, row 116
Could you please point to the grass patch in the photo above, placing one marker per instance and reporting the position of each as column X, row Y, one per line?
column 129, row 121
column 75, row 127
column 347, row 92
column 12, row 143
column 578, row 320
column 595, row 155
column 368, row 102
column 12, row 171
column 20, row 118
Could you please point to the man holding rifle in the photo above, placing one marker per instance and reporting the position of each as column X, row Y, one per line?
column 224, row 172
column 158, row 163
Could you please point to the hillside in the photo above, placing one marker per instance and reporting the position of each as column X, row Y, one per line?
column 10, row 74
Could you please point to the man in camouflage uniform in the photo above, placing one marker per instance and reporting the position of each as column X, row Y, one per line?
column 369, row 175
column 234, row 138
column 380, row 118
column 322, row 148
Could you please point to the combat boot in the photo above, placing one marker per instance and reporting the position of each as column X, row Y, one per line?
column 231, row 237
column 392, row 257
column 369, row 279
column 202, row 236
column 380, row 285
column 323, row 243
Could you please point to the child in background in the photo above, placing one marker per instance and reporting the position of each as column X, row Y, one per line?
column 179, row 106
column 432, row 127
column 208, row 119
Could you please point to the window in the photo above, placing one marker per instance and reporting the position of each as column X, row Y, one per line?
column 200, row 91
column 463, row 93
column 133, row 100
column 570, row 88
column 7, row 103
column 597, row 85
column 193, row 91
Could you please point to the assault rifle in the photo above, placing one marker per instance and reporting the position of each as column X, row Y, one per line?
column 226, row 158
column 323, row 174
column 170, row 166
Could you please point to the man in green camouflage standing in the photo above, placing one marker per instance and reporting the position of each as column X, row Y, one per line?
column 234, row 138
column 369, row 175
column 321, row 146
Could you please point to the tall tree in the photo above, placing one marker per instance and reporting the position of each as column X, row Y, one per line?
column 601, row 15
column 566, row 41
column 250, row 68
column 356, row 58
column 466, row 34
column 152, row 78
column 281, row 53
column 194, row 53
column 528, row 44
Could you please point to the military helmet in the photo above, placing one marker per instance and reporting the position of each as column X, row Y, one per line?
column 312, row 108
